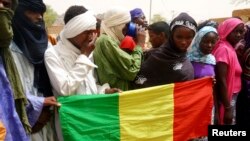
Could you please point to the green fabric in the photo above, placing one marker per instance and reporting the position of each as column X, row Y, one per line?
column 6, row 32
column 115, row 66
column 10, row 67
column 97, row 117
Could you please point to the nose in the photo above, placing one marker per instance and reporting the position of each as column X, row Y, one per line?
column 210, row 45
column 184, row 42
column 39, row 17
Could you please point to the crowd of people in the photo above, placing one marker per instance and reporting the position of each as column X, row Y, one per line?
column 109, row 55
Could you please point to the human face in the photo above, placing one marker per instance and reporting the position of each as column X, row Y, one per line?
column 236, row 35
column 141, row 21
column 207, row 42
column 182, row 37
column 6, row 3
column 35, row 17
column 155, row 39
column 83, row 39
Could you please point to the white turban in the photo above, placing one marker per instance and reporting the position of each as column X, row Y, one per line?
column 79, row 24
column 113, row 22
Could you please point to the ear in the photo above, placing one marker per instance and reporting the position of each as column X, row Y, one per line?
column 162, row 35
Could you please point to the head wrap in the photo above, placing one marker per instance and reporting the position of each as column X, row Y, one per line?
column 5, row 27
column 114, row 21
column 128, row 43
column 33, row 5
column 79, row 24
column 6, row 15
column 195, row 54
column 136, row 13
column 183, row 19
column 31, row 38
column 226, row 27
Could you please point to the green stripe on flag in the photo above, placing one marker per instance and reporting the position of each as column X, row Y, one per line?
column 90, row 117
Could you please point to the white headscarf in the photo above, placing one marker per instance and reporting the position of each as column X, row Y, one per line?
column 113, row 22
column 79, row 24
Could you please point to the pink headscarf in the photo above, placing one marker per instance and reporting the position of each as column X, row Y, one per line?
column 225, row 52
column 226, row 27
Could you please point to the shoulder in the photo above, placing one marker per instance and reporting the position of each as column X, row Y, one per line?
column 222, row 49
column 50, row 51
column 104, row 39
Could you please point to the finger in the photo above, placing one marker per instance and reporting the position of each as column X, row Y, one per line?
column 55, row 104
column 53, row 98
column 59, row 104
column 93, row 38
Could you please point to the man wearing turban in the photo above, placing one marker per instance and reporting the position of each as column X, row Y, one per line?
column 69, row 63
column 29, row 43
column 115, row 66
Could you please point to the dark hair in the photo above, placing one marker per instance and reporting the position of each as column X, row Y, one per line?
column 73, row 11
column 159, row 27
column 207, row 23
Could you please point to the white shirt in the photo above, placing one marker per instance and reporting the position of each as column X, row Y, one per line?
column 70, row 71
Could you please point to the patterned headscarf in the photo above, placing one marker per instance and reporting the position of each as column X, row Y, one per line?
column 183, row 19
column 195, row 54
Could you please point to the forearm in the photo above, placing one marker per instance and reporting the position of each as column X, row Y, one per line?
column 222, row 94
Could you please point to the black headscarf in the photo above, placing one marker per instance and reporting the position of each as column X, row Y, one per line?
column 31, row 38
column 167, row 64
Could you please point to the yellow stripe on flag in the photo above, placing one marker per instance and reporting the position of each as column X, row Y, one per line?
column 155, row 108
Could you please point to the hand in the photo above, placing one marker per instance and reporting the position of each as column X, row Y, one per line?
column 214, row 81
column 51, row 101
column 89, row 45
column 228, row 115
column 140, row 35
column 112, row 90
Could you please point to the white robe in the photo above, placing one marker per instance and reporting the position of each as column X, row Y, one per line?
column 36, row 99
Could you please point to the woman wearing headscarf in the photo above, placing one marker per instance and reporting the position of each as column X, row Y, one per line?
column 168, row 63
column 228, row 69
column 243, row 100
column 115, row 66
column 200, row 55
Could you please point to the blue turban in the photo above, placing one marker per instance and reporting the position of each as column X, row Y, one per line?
column 136, row 13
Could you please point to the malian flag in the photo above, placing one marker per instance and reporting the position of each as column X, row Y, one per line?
column 172, row 112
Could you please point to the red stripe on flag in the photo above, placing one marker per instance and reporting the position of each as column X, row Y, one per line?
column 193, row 102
